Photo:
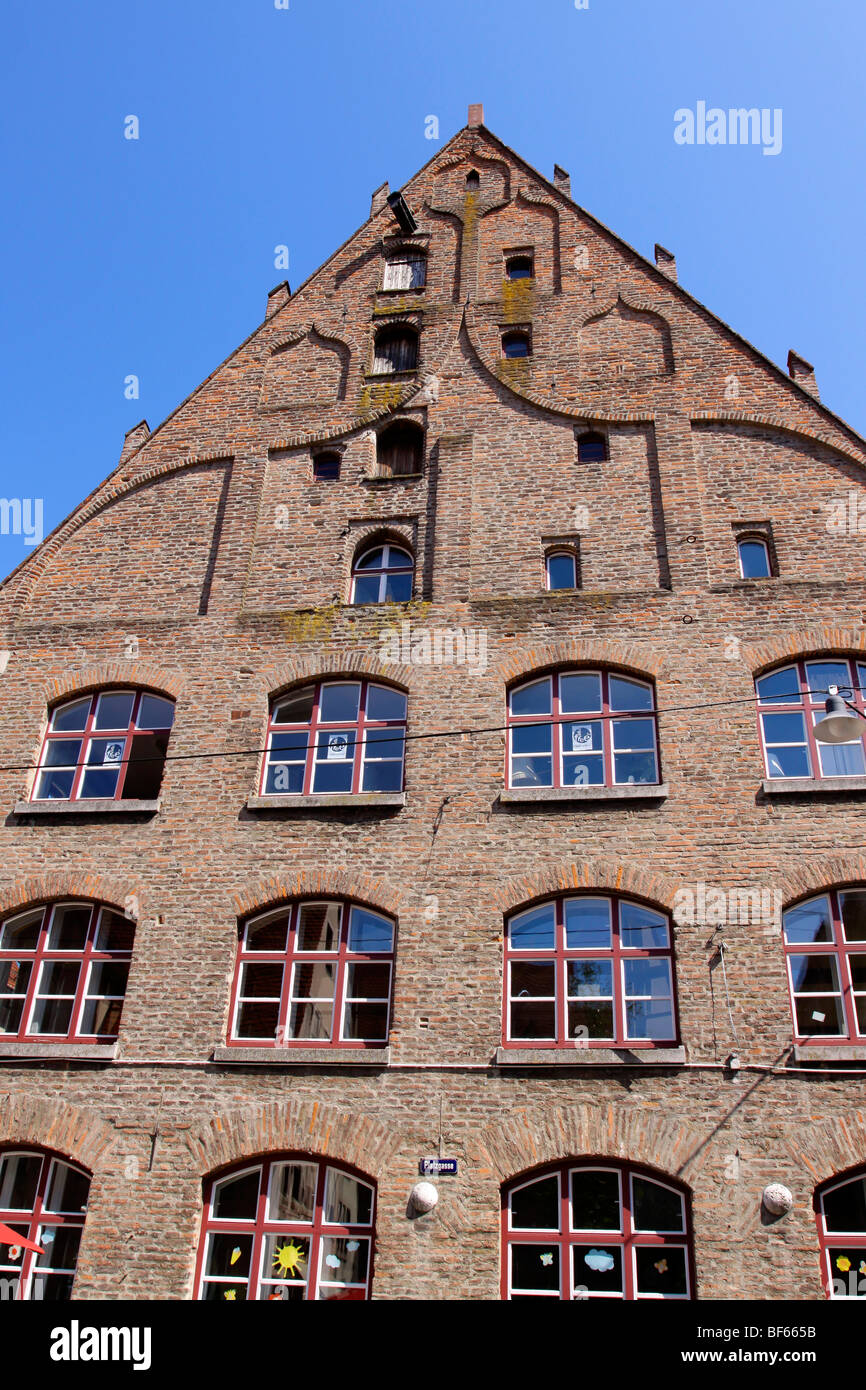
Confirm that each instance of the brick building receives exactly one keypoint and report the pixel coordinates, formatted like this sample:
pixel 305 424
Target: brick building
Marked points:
pixel 492 476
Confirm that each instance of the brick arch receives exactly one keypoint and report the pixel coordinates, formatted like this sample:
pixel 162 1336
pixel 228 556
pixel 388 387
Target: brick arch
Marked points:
pixel 65 883
pixel 602 874
pixel 138 673
pixel 819 641
pixel 338 883
pixel 808 878
pixel 625 1132
pixel 355 663
pixel 73 1133
pixel 282 1126
pixel 629 656
pixel 830 1149
pixel 399 532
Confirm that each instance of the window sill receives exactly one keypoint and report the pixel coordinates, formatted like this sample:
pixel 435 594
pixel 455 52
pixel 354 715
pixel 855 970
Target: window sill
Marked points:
pixel 374 478
pixel 589 1056
pixel 304 1056
pixel 93 806
pixel 657 791
pixel 820 786
pixel 829 1052
pixel 61 1051
pixel 391 376
pixel 356 800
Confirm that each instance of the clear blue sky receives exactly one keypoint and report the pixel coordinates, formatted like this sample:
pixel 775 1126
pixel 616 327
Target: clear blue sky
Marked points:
pixel 261 126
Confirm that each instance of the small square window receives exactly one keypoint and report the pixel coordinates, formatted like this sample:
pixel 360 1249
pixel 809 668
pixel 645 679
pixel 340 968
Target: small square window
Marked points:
pixel 326 467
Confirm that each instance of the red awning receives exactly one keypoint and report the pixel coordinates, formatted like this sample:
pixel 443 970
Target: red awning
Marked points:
pixel 10 1237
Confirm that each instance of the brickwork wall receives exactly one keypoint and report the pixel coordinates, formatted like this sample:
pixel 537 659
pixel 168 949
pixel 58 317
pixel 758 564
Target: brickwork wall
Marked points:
pixel 212 548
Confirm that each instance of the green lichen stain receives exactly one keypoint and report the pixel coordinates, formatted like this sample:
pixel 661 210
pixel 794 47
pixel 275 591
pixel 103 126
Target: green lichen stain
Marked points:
pixel 310 625
pixel 518 300
pixel 514 371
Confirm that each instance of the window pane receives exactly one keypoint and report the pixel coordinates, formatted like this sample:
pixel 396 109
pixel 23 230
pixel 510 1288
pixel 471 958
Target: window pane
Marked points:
pixel 598 1269
pixel 561 571
pixel 365 1022
pixel 809 922
pixel 258 1020
pixel 580 693
pixel 67 1190
pixel 587 923
pixel 108 978
pixel 114 711
pixel 533 1020
pixel 21 933
pixel 788 762
pixel 532 772
pixel 532 699
pixel 368 932
pixel 286 1262
pixel 236 1198
pixel 587 979
pixel 784 728
pixel 51 1016
pixel 344 1261
pixel 661 1270
pixel 641 928
pixel 261 981
pixel 68 930
pixel 590 1018
pixel 819 1015
pixel 398 588
pixel 780 687
pixel 347 1201
pixel 71 717
pixel 310 981
pixel 296 708
pixel 116 932
pixel 19 1177
pixel 339 703
pixel 62 752
pixel 656 1208
pixel 533 979
pixel 318 926
pixel 535 1207
pixel 650 1019
pixel 853 905
pixel 635 769
pixel 55 786
pixel 309 1020
pixel 269 934
pixel 595 1202
pixel 648 976
pixel 531 738
pixel 535 1267
pixel 842 759
pixel 145 767
pixel 385 703
pixel 813 974
pixel 155 713
pixel 754 560
pixel 845 1207
pixel 629 695
pixel 534 930
pixel 366 588
pixel 820 675
pixel 335 775
pixel 383 776
pixel 293 1192
pixel 633 734
pixel 370 980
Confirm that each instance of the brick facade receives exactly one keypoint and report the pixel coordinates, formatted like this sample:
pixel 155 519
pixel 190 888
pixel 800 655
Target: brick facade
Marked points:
pixel 212 568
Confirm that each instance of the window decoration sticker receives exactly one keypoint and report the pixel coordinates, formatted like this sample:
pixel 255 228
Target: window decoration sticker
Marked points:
pixel 231 1295
pixel 818 1017
pixel 581 737
pixel 599 1260
pixel 288 1259
pixel 547 1259
pixel 332 1262
pixel 338 746
pixel 661 1266
pixel 843 1263
pixel 113 753
pixel 235 1255
pixel 15 1252
pixel 353 1245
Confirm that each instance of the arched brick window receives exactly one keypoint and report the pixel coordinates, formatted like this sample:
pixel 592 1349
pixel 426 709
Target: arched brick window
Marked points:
pixel 840 1210
pixel 595 1228
pixel 313 973
pixel 753 554
pixel 582 728
pixel 111 744
pixel 589 971
pixel 791 700
pixel 825 945
pixel 383 574
pixel 517 343
pixel 43 1202
pixel 288 1227
pixel 63 973
pixel 338 736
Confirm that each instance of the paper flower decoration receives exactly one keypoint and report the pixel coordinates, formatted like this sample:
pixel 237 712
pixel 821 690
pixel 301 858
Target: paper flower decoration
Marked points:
pixel 288 1259
pixel 862 1269
pixel 661 1266
pixel 843 1263
pixel 332 1262
pixel 600 1260
pixel 231 1295
pixel 353 1245
pixel 547 1259
pixel 235 1255
pixel 15 1252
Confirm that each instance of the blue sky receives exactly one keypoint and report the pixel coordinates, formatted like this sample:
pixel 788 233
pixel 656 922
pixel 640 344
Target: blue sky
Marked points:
pixel 262 126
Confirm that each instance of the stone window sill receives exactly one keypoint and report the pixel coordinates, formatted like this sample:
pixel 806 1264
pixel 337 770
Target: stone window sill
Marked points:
pixel 589 1056
pixel 815 786
pixel 528 795
pixel 808 1052
pixel 62 1051
pixel 297 1056
pixel 357 801
pixel 93 806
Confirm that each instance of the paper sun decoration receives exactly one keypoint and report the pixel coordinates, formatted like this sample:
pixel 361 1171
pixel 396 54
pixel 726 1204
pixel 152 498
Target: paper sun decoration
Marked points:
pixel 599 1260
pixel 288 1258
pixel 231 1295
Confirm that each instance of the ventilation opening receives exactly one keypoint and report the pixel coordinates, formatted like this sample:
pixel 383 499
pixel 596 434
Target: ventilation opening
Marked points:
pixel 399 450
pixel 396 350
pixel 591 448
pixel 516 345
pixel 519 268
pixel 326 467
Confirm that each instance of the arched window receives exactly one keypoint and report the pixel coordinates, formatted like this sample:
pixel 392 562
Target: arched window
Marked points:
pixel 591 448
pixel 840 1210
pixel 473 180
pixel 396 350
pixel 825 943
pixel 791 701
pixel 336 736
pixel 383 575
pixel 326 467
pixel 287 1228
pixel 43 1202
pixel 399 450
pixel 589 972
pixel 560 568
pixel 582 728
pixel 63 972
pixel 111 744
pixel 754 556
pixel 593 1228
pixel 519 268
pixel 313 973
pixel 516 344
pixel 405 271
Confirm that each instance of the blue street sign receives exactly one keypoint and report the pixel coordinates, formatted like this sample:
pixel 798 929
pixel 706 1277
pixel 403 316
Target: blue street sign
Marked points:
pixel 427 1166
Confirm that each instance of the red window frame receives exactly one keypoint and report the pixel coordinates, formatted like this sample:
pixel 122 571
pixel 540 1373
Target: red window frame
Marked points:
pixel 841 950
pixel 341 958
pixel 561 954
pixel 358 727
pixel 33 1222
pixel 810 705
pixel 125 735
pixel 849 1247
pixel 317 1232
pixel 556 719
pixel 627 1239
pixel 38 957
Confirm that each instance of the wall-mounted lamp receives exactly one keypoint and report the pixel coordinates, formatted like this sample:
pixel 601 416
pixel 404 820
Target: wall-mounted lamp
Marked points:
pixel 839 725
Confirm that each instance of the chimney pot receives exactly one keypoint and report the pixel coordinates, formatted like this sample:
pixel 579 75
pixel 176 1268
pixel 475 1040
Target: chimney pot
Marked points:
pixel 133 439
pixel 379 199
pixel 277 297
